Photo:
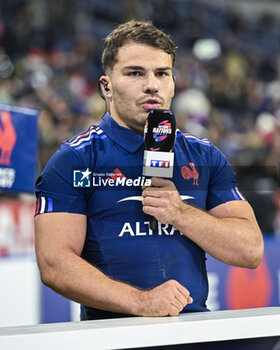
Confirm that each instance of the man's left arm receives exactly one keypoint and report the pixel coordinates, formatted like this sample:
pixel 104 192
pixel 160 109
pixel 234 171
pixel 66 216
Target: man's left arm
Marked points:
pixel 229 232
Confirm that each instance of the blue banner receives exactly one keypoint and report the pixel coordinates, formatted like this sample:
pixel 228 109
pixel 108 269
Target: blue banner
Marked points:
pixel 18 148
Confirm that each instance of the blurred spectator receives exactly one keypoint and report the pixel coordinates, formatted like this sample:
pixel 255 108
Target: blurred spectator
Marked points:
pixel 192 110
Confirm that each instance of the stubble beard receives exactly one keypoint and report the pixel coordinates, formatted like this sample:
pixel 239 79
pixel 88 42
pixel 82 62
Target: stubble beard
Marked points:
pixel 137 122
pixel 134 118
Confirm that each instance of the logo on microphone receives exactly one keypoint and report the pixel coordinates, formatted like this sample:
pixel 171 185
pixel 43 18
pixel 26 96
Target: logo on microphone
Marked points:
pixel 160 164
pixel 160 133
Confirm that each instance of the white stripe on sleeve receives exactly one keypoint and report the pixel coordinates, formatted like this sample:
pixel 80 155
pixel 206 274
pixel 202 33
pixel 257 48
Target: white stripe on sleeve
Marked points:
pixel 43 205
pixel 239 194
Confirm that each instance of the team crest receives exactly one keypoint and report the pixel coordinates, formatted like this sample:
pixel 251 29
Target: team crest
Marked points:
pixel 190 173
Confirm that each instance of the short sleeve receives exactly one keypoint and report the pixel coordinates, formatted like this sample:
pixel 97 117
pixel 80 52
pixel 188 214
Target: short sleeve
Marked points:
pixel 54 187
pixel 222 184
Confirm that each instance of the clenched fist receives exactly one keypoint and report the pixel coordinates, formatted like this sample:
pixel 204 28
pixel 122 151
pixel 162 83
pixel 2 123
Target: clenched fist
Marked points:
pixel 167 299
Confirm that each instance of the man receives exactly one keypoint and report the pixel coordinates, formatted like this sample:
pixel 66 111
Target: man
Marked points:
pixel 94 244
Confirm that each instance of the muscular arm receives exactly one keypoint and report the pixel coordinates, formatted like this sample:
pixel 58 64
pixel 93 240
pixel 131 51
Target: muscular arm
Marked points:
pixel 228 232
pixel 59 240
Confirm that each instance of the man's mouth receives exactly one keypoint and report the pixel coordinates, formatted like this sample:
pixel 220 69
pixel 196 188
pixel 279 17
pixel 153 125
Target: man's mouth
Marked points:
pixel 151 104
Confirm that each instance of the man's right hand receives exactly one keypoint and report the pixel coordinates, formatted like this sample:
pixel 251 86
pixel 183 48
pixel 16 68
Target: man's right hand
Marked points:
pixel 167 299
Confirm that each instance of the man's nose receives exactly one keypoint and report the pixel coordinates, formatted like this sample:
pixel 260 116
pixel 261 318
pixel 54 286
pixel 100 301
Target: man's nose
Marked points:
pixel 150 84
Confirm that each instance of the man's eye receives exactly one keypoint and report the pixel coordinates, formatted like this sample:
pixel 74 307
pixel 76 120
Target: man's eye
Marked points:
pixel 135 74
pixel 162 74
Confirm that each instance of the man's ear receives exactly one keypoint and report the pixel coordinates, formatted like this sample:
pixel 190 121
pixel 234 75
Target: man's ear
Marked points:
pixel 104 87
pixel 174 85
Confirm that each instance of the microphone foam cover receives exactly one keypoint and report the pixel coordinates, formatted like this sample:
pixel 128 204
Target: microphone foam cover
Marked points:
pixel 160 130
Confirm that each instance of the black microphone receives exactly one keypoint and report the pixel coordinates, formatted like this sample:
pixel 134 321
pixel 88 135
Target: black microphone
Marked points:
pixel 159 137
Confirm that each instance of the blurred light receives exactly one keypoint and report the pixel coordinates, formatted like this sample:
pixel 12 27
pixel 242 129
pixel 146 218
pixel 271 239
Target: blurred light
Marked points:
pixel 206 49
pixel 39 80
pixel 192 101
pixel 273 90
pixel 265 122
pixel 6 67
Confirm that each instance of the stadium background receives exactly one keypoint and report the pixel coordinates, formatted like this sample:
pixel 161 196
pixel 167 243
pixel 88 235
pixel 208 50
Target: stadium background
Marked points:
pixel 228 89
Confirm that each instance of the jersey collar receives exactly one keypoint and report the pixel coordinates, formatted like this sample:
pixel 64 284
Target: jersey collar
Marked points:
pixel 125 138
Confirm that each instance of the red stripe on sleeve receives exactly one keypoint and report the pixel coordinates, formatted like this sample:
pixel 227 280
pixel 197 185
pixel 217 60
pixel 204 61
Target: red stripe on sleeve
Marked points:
pixel 37 206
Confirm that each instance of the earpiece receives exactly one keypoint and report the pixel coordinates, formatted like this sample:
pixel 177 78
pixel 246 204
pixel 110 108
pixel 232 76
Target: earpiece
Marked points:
pixel 104 83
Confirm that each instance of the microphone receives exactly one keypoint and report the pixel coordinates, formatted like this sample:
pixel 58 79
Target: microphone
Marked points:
pixel 159 138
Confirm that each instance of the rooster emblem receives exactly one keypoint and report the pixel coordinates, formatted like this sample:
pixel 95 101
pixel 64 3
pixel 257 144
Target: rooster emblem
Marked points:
pixel 190 173
pixel 8 137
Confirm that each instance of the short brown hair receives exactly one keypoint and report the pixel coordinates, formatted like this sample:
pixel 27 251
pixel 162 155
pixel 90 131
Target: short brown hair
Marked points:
pixel 140 32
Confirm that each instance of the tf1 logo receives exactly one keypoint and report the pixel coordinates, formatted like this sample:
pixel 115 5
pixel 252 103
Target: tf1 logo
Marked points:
pixel 160 164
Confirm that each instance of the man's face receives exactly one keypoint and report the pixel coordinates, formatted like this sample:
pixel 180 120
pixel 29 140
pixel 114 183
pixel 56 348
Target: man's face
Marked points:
pixel 141 80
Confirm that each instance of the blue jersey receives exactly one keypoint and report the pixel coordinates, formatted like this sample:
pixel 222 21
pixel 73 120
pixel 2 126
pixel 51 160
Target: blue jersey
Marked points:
pixel 98 173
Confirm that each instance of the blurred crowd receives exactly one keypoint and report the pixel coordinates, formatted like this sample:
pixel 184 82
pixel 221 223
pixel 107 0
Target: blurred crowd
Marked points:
pixel 227 77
